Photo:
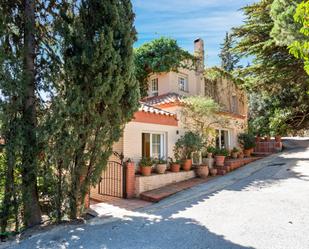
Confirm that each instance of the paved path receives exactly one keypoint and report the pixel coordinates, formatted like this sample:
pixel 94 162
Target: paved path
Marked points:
pixel 264 205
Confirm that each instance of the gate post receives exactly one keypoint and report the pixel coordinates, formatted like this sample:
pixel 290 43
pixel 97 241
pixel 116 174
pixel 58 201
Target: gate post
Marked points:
pixel 130 179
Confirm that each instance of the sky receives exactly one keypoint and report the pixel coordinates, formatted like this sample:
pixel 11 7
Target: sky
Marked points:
pixel 186 20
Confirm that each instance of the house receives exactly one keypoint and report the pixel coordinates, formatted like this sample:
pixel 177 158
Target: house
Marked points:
pixel 157 125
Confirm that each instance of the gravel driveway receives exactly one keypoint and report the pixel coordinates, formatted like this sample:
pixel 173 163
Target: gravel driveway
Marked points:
pixel 264 205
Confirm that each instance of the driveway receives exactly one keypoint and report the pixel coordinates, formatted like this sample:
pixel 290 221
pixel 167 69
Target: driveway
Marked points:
pixel 263 205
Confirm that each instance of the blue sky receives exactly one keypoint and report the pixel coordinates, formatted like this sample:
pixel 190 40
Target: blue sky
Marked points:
pixel 186 20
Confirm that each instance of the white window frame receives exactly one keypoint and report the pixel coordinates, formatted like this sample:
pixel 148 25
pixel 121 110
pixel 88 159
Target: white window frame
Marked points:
pixel 154 90
pixel 228 138
pixel 163 143
pixel 183 86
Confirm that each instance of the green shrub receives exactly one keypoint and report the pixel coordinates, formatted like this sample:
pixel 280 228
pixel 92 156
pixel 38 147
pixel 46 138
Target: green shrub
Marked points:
pixel 187 144
pixel 221 152
pixel 247 140
pixel 146 162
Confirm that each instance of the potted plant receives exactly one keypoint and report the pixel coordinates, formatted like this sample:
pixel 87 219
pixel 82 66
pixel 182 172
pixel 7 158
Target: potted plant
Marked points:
pixel 210 150
pixel 220 155
pixel 146 164
pixel 234 153
pixel 213 172
pixel 247 141
pixel 241 155
pixel 202 171
pixel 161 165
pixel 185 146
pixel 174 165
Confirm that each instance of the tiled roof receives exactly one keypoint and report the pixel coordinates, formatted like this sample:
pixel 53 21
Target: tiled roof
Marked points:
pixel 163 99
pixel 151 109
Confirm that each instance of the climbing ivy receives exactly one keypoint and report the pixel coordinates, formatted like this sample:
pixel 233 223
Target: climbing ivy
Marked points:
pixel 159 56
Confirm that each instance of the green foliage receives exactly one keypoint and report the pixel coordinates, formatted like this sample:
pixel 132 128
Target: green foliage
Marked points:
pixel 215 73
pixel 235 150
pixel 146 162
pixel 221 152
pixel 97 92
pixel 211 149
pixel 247 140
pixel 229 60
pixel 160 161
pixel 59 144
pixel 285 30
pixel 300 47
pixel 199 114
pixel 276 78
pixel 187 144
pixel 159 56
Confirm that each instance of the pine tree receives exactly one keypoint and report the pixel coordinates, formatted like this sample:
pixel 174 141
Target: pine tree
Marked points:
pixel 229 60
pixel 274 73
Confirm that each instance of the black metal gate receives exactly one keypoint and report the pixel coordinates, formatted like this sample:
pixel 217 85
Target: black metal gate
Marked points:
pixel 113 180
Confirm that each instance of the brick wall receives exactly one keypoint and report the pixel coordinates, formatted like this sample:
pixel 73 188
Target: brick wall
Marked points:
pixel 130 180
pixel 268 147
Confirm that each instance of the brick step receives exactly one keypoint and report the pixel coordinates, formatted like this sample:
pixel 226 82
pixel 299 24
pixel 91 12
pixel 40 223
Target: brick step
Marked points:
pixel 157 195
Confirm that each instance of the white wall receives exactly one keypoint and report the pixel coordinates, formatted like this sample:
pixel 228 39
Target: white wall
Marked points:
pixel 132 140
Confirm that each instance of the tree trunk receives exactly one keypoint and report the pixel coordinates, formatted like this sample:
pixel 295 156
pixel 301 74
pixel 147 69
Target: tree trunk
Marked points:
pixel 9 188
pixel 32 212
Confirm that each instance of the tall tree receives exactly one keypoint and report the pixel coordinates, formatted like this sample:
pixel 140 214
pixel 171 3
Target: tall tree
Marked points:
pixel 273 72
pixel 300 46
pixel 29 119
pixel 229 59
pixel 96 92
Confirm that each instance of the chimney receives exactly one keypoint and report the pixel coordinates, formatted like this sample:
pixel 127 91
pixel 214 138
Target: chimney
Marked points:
pixel 199 54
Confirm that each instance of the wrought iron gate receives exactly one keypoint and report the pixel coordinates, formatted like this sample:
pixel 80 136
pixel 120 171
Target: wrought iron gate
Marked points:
pixel 113 180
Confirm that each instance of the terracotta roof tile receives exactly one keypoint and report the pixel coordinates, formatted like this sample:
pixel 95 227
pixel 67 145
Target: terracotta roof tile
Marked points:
pixel 151 109
pixel 163 99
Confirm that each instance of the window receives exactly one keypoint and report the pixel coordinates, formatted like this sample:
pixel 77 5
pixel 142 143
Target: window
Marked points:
pixel 183 84
pixel 222 139
pixel 153 145
pixel 154 87
pixel 234 104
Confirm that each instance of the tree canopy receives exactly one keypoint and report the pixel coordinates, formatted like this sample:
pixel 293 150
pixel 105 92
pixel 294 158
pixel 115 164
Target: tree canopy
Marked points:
pixel 300 46
pixel 68 87
pixel 274 72
pixel 229 59
pixel 158 56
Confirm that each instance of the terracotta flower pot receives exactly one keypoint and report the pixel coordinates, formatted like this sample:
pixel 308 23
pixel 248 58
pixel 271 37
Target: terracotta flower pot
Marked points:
pixel 209 161
pixel 202 171
pixel 187 164
pixel 219 160
pixel 161 168
pixel 213 172
pixel 234 155
pixel 278 138
pixel 146 171
pixel 175 167
pixel 241 155
pixel 247 153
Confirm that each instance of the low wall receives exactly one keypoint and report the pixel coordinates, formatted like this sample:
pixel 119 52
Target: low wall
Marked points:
pixel 146 183
pixel 268 147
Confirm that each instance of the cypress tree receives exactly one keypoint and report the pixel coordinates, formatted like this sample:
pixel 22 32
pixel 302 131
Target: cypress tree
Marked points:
pixel 229 60
pixel 96 92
